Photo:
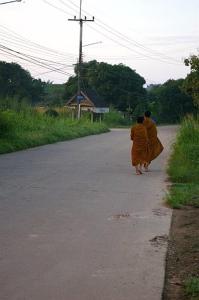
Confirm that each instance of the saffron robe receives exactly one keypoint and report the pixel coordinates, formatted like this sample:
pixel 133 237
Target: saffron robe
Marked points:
pixel 154 146
pixel 140 144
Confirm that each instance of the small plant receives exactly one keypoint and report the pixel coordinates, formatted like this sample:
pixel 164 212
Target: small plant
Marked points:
pixel 192 287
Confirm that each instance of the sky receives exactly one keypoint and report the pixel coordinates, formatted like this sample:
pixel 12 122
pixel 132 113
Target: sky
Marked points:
pixel 150 36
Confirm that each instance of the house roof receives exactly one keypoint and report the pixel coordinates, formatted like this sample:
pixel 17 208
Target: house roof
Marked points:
pixel 91 99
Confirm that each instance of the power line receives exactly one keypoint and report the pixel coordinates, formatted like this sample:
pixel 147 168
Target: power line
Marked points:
pixel 56 7
pixel 21 45
pixel 131 49
pixel 28 58
pixel 49 72
pixel 21 42
pixel 125 38
pixel 118 36
pixel 7 2
pixel 44 59
pixel 134 43
pixel 45 49
pixel 153 55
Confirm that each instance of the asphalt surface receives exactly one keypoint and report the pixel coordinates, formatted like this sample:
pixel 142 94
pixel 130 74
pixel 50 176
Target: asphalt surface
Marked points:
pixel 76 223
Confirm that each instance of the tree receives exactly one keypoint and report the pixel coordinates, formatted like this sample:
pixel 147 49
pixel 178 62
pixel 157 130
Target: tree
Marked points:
pixel 169 102
pixel 54 94
pixel 15 82
pixel 118 85
pixel 191 84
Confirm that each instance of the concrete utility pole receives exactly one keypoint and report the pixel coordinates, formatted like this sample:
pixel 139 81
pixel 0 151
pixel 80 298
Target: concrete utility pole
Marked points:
pixel 81 21
pixel 10 2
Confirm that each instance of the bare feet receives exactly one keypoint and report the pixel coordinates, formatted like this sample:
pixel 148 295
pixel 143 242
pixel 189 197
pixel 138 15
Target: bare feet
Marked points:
pixel 138 172
pixel 146 167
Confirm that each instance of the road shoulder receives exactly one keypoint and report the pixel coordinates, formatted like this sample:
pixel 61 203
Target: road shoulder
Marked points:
pixel 183 253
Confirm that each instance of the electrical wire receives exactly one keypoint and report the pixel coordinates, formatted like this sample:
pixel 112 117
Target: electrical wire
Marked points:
pixel 28 58
pixel 116 33
pixel 13 35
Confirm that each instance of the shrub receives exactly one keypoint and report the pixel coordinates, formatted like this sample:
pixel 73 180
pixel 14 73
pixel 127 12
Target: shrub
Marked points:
pixel 52 113
pixel 7 123
pixel 115 118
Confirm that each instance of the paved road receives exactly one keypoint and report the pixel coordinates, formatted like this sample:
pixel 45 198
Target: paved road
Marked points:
pixel 77 224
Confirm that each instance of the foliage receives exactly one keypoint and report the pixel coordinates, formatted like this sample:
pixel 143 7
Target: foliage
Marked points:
pixel 118 85
pixel 13 103
pixel 184 165
pixel 191 84
pixel 186 150
pixel 52 113
pixel 192 287
pixel 7 124
pixel 169 102
pixel 116 119
pixel 15 82
pixel 30 129
pixel 54 94
pixel 183 194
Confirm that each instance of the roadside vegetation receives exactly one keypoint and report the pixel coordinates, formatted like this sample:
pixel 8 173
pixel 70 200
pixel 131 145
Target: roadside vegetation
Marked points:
pixel 27 128
pixel 184 166
pixel 182 275
pixel 117 119
pixel 33 112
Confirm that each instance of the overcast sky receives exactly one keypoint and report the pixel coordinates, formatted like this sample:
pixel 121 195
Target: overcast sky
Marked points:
pixel 150 36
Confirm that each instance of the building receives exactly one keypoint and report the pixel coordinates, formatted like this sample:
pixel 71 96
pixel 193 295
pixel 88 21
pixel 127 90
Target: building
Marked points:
pixel 89 101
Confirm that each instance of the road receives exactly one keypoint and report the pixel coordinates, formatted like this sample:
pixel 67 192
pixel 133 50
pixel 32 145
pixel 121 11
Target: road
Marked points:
pixel 76 223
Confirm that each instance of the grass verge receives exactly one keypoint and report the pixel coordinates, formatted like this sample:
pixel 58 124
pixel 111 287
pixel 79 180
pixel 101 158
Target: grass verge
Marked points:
pixel 183 194
pixel 25 129
pixel 184 166
pixel 184 173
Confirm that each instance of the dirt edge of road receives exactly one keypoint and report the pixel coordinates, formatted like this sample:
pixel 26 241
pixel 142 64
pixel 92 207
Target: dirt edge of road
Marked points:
pixel 183 253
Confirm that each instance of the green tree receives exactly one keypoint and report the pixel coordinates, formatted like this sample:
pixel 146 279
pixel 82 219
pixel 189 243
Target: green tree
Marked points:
pixel 191 83
pixel 169 102
pixel 15 82
pixel 118 85
pixel 54 94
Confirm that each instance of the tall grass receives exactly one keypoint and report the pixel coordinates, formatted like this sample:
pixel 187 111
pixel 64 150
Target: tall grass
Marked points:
pixel 184 165
pixel 28 128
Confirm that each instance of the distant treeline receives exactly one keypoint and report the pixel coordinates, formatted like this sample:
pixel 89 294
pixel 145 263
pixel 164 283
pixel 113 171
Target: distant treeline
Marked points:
pixel 118 85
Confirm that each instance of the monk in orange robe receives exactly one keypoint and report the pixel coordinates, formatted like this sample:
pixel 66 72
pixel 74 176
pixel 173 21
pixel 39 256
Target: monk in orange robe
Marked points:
pixel 140 144
pixel 154 146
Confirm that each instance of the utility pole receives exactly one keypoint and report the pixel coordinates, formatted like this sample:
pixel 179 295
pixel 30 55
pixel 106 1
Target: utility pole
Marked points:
pixel 81 21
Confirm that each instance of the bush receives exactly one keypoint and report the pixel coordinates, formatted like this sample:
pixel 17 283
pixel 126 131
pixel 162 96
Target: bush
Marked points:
pixel 14 104
pixel 52 113
pixel 7 123
pixel 116 119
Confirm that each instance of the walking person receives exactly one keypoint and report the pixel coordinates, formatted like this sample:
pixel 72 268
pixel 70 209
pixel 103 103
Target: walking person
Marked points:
pixel 139 147
pixel 155 147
